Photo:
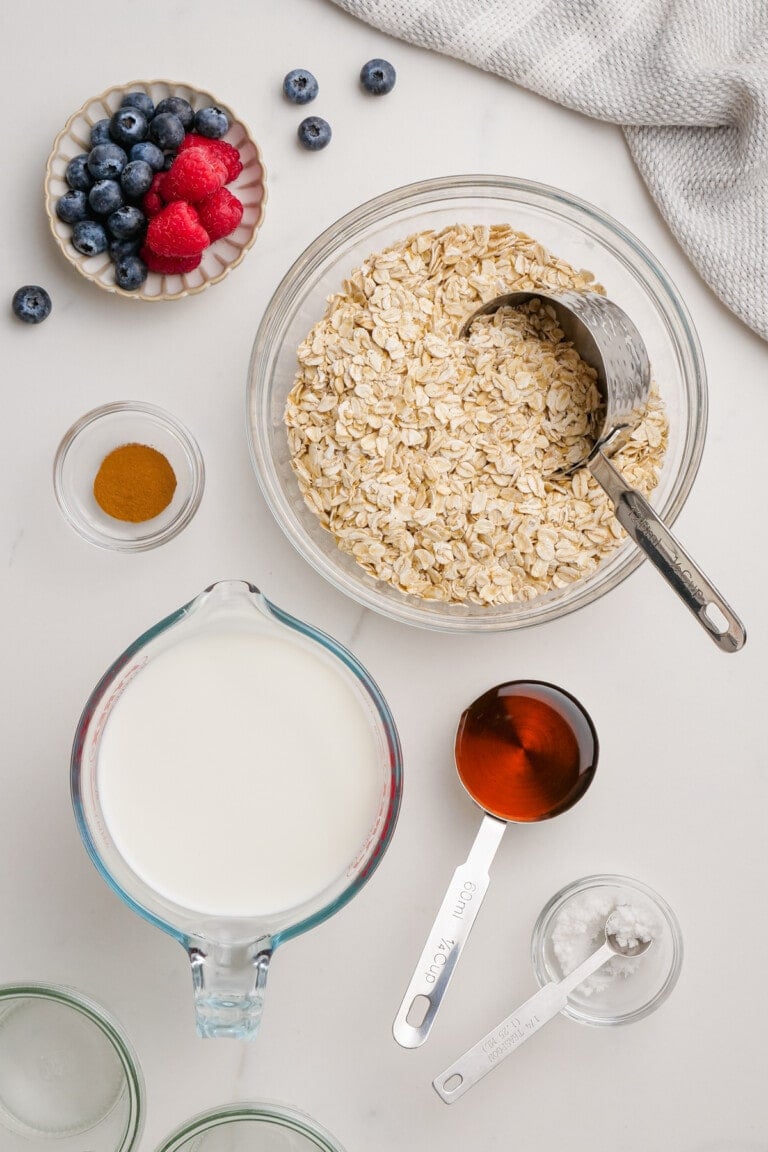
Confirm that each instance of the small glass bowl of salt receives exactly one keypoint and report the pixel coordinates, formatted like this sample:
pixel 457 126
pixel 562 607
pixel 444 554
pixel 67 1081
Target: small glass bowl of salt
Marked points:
pixel 571 926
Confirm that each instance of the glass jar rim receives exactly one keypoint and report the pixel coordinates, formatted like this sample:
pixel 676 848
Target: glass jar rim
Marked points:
pixel 85 1006
pixel 281 1114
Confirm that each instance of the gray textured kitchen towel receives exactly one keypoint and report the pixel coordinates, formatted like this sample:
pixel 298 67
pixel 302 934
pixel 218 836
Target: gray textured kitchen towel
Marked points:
pixel 687 80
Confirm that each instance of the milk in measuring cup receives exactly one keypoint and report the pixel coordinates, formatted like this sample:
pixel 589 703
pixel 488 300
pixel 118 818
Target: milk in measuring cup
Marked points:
pixel 239 774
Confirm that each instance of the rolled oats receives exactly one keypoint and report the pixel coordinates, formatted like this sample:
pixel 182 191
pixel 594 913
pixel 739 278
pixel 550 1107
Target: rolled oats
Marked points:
pixel 432 458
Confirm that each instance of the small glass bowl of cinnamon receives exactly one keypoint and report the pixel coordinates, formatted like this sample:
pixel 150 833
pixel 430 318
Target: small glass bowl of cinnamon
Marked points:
pixel 128 476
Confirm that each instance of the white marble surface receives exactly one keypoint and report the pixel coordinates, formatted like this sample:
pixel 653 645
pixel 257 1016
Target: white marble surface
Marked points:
pixel 680 801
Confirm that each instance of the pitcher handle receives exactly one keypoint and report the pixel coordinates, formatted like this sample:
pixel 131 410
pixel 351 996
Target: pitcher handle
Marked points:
pixel 229 983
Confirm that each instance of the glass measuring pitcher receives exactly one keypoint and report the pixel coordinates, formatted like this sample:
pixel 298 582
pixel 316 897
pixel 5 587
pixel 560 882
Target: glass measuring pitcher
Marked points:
pixel 236 778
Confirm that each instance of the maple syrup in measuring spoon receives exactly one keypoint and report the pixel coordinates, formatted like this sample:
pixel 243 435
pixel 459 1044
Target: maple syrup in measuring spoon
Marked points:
pixel 525 751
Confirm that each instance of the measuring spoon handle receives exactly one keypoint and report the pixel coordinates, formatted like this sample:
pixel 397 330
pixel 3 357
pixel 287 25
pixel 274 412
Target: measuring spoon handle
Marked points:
pixel 680 571
pixel 513 1032
pixel 447 938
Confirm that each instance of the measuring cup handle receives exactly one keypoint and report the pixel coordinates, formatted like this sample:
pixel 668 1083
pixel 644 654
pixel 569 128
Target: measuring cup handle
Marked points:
pixel 508 1036
pixel 680 571
pixel 229 983
pixel 478 1061
pixel 446 941
pixel 445 944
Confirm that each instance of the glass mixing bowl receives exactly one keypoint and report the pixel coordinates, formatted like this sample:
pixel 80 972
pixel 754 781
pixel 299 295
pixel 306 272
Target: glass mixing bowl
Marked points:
pixel 573 230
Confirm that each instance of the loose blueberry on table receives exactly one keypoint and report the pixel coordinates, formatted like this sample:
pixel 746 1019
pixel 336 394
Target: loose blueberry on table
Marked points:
pixel 151 190
pixel 314 133
pixel 378 77
pixel 32 304
pixel 300 86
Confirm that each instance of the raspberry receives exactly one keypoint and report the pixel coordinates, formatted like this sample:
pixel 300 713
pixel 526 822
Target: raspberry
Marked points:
pixel 193 175
pixel 177 231
pixel 220 213
pixel 153 201
pixel 227 153
pixel 169 265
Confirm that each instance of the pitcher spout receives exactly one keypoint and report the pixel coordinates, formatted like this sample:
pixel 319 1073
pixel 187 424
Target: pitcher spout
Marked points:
pixel 229 983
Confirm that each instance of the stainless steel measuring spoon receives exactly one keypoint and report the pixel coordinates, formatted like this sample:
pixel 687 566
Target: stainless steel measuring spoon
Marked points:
pixel 605 337
pixel 525 751
pixel 526 1020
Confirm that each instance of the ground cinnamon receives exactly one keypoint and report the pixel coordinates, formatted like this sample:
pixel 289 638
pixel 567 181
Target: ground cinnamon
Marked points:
pixel 134 482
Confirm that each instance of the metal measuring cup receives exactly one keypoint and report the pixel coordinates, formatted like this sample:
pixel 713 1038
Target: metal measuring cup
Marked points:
pixel 605 337
pixel 543 727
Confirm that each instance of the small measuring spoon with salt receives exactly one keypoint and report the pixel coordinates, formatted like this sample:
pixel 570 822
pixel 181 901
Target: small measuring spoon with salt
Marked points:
pixel 526 1020
pixel 605 337
pixel 525 751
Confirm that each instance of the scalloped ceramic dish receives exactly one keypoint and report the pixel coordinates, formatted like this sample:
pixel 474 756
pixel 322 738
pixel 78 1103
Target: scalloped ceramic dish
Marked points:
pixel 222 256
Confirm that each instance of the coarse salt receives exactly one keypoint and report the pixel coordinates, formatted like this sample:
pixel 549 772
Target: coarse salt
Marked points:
pixel 579 930
pixel 473 430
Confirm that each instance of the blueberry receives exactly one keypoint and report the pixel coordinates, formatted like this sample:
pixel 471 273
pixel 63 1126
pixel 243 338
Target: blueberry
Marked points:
pixel 72 206
pixel 89 237
pixel 106 161
pixel 77 174
pixel 314 133
pixel 106 196
pixel 141 101
pixel 130 273
pixel 136 178
pixel 378 77
pixel 100 133
pixel 32 304
pixel 166 130
pixel 119 249
pixel 149 153
pixel 300 86
pixel 211 122
pixel 128 126
pixel 126 223
pixel 168 159
pixel 178 107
